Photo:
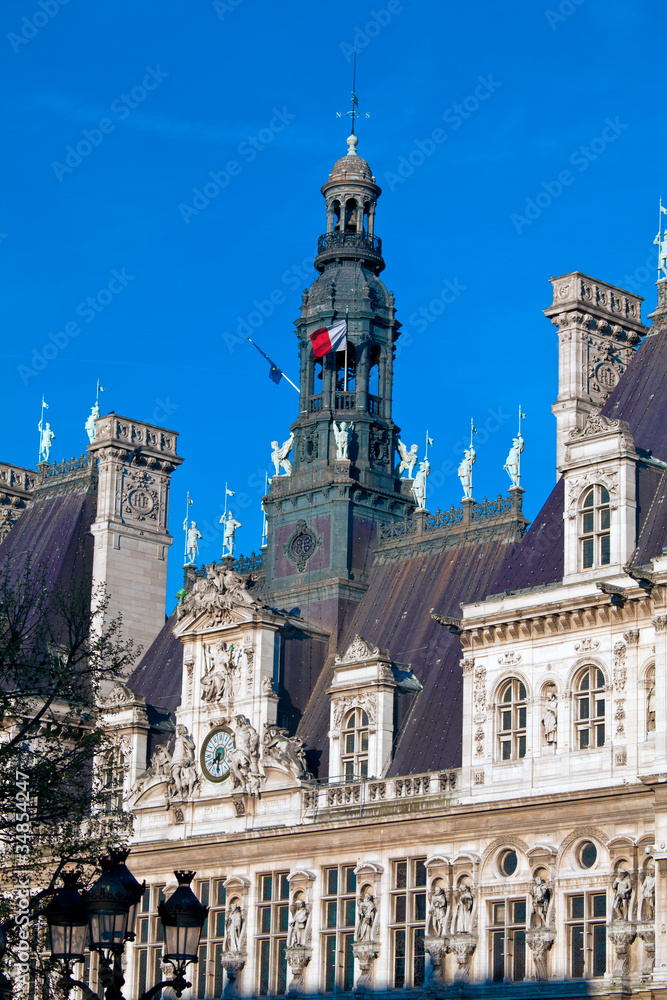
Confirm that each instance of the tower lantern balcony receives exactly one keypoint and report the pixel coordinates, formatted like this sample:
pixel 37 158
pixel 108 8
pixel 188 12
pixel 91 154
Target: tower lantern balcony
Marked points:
pixel 359 246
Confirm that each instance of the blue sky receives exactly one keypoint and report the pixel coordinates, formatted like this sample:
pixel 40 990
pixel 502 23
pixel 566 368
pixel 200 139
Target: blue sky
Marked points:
pixel 114 264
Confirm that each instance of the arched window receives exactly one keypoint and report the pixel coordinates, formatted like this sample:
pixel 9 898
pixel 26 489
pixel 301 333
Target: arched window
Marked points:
pixel 317 376
pixel 336 213
pixel 589 696
pixel 349 385
pixel 113 777
pixel 512 720
pixel 374 371
pixel 650 700
pixel 355 745
pixel 350 216
pixel 594 524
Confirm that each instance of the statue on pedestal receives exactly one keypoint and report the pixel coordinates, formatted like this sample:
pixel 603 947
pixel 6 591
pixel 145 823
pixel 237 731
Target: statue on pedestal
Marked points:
pixel 342 434
pixel 193 534
pixel 419 484
pixel 408 458
pixel 46 436
pixel 541 897
pixel 465 471
pixel 91 422
pixel 622 886
pixel 279 456
pixel 513 464
pixel 233 939
pixel 230 528
pixel 298 925
pixel 550 718
pixel 366 914
pixel 437 915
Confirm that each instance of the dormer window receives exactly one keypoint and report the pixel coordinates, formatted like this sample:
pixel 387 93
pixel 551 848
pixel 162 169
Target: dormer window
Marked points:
pixel 355 745
pixel 594 528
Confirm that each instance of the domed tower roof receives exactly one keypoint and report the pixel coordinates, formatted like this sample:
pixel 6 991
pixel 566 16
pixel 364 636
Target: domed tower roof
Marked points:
pixel 351 167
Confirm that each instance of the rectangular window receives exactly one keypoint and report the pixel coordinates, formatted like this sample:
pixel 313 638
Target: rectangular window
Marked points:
pixel 408 909
pixel 587 935
pixel 338 919
pixel 508 941
pixel 273 920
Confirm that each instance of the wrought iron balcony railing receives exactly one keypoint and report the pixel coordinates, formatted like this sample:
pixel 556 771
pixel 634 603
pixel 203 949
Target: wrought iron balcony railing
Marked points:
pixel 350 241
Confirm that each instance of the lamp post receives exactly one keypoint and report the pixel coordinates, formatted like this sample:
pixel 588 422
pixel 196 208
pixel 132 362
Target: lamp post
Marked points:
pixel 107 912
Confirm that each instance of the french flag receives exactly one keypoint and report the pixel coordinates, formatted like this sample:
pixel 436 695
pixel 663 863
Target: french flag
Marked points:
pixel 329 338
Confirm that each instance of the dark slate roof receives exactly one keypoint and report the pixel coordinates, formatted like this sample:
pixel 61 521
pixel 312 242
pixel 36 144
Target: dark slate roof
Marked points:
pixel 395 613
pixel 54 535
pixel 159 673
pixel 653 533
pixel 640 396
pixel 538 560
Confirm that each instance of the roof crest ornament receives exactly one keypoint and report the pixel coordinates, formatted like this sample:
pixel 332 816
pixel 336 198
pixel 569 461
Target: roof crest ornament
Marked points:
pixel 354 113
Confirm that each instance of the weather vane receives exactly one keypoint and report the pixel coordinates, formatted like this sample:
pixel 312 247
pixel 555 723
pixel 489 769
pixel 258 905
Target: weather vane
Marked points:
pixel 354 113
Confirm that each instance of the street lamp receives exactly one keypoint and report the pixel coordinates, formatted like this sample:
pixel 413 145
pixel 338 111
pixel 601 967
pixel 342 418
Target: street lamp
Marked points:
pixel 129 882
pixel 105 910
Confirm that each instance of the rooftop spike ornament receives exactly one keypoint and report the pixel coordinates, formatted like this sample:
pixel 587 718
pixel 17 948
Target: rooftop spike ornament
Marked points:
pixel 661 242
pixel 354 112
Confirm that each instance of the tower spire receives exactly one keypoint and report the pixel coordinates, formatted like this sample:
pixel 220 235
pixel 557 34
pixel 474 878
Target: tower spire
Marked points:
pixel 354 112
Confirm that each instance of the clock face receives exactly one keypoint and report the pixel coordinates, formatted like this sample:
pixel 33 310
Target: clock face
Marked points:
pixel 215 754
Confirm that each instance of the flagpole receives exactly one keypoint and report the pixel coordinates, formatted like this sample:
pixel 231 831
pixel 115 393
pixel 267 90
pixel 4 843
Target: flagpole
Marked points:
pixel 188 503
pixel 472 431
pixel 426 448
pixel 225 514
pixel 347 310
pixel 264 524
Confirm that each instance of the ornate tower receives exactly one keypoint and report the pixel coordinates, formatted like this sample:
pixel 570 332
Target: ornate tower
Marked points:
pixel 323 517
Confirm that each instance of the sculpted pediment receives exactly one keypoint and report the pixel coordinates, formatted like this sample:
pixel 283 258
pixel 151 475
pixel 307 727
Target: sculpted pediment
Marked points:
pixel 360 649
pixel 221 594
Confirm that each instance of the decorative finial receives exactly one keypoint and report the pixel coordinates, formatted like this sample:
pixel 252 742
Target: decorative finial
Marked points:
pixel 354 113
pixel 352 144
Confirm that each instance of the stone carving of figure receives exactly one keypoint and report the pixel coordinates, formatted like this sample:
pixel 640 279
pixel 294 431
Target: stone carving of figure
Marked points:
pixel 216 683
pixel 284 749
pixel 342 434
pixel 183 769
pixel 298 924
pixel 279 456
pixel 465 471
pixel 419 484
pixel 236 590
pixel 437 913
pixel 647 911
pixel 513 464
pixel 622 886
pixel 233 929
pixel 550 718
pixel 160 761
pixel 244 758
pixel 193 536
pixel 228 537
pixel 366 913
pixel 91 423
pixel 462 921
pixel 541 894
pixel 662 259
pixel 650 707
pixel 408 458
pixel 46 436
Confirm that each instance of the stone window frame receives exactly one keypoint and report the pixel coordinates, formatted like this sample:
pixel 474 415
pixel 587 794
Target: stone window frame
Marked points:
pixel 515 733
pixel 355 756
pixel 594 942
pixel 345 900
pixel 277 903
pixel 591 723
pixel 513 933
pixel 404 919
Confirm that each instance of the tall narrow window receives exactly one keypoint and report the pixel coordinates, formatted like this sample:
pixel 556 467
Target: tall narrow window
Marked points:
pixel 590 708
pixel 512 720
pixel 650 700
pixel 355 745
pixel 408 918
pixel 594 525
pixel 508 940
pixel 272 923
pixel 113 777
pixel 338 918
pixel 587 935
pixel 149 938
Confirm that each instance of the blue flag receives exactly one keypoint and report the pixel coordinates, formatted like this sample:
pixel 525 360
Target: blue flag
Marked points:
pixel 275 373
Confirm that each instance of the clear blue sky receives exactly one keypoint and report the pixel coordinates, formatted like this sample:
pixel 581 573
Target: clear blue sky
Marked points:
pixel 170 92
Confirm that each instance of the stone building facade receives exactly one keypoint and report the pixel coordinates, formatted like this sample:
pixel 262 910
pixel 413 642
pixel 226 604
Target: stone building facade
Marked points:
pixel 405 750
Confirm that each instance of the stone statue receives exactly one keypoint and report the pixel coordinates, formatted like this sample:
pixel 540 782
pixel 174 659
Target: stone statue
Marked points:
pixel 513 464
pixel 230 528
pixel 184 778
pixel 662 244
pixel 234 925
pixel 462 920
pixel 622 886
pixel 408 458
pixel 244 758
pixel 285 750
pixel 193 535
pixel 216 684
pixel 366 913
pixel 541 896
pixel 46 436
pixel 91 423
pixel 647 911
pixel 650 707
pixel 465 471
pixel 550 718
pixel 160 761
pixel 437 914
pixel 267 686
pixel 342 434
pixel 419 484
pixel 279 456
pixel 298 924
pixel 217 593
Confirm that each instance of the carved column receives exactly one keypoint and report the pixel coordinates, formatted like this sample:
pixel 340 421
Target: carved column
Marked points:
pixel 540 941
pixel 621 934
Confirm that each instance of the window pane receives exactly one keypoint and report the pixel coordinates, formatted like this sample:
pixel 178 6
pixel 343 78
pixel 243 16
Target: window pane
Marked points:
pixel 499 913
pixel 577 939
pixel 281 984
pixel 363 768
pixel 506 721
pixel 522 746
pixel 349 769
pixel 266 887
pixel 220 924
pixel 599 732
pixel 583 739
pixel 506 748
pixel 507 696
pixel 399 959
pixel 332 881
pixel 201 972
pixel 577 907
pixel 401 874
pixel 332 914
pixel 222 894
pixel 146 901
pixel 329 963
pixel 420 873
pixel 588 499
pixel 519 916
pixel 522 718
pixel 600 905
pixel 585 682
pixel 143 931
pixel 141 975
pixel 218 978
pixel 584 708
pixel 364 718
pixel 284 886
pixel 599 950
pixel 349 743
pixel 418 957
pixel 587 524
pixel 420 906
pixel 605 550
pixel 399 909
pixel 587 552
pixel 522 691
pixel 283 918
pixel 364 741
pixel 498 956
pixel 604 495
pixel 348 968
pixel 599 678
pixel 519 956
pixel 350 880
pixel 599 708
pixel 604 517
pixel 265 920
pixel 350 912
pixel 264 953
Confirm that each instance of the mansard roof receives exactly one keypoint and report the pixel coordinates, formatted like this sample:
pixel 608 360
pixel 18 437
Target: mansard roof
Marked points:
pixel 395 613
pixel 158 675
pixel 652 536
pixel 538 560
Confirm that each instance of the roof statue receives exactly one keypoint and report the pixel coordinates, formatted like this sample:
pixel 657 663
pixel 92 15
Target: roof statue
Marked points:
pixel 342 434
pixel 217 593
pixel 408 458
pixel 230 526
pixel 513 464
pixel 192 536
pixel 464 471
pixel 46 435
pixel 279 456
pixel 419 484
pixel 661 242
pixel 91 422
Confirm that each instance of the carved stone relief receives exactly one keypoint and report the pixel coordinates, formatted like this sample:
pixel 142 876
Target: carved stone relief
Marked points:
pixel 577 484
pixel 302 544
